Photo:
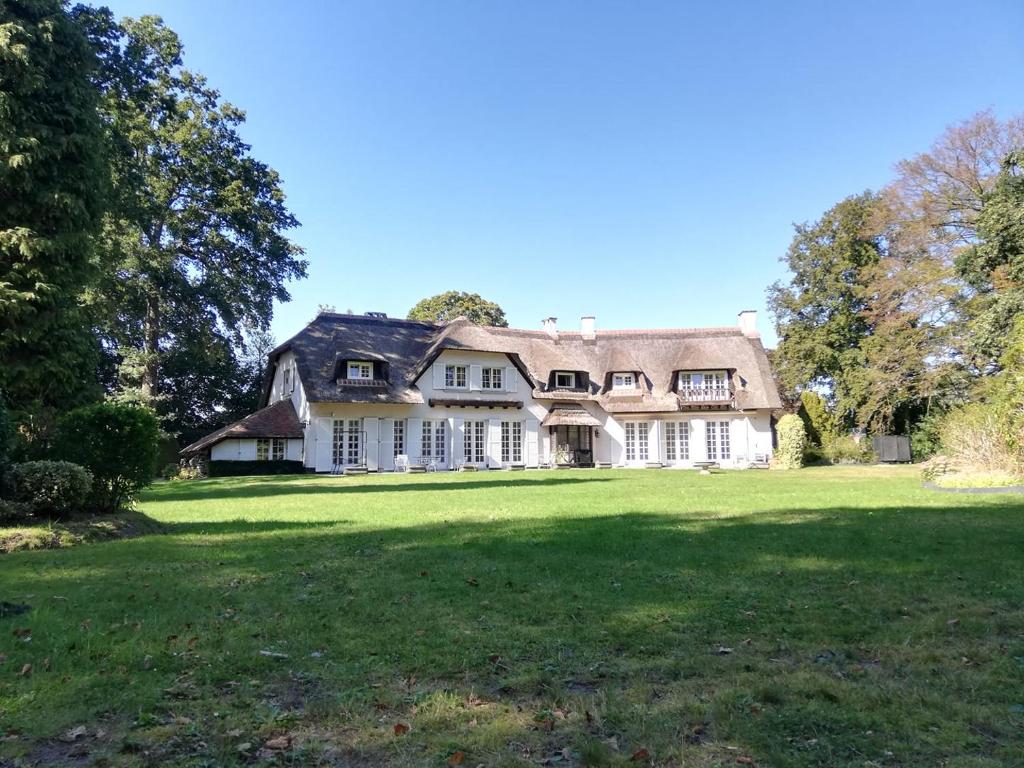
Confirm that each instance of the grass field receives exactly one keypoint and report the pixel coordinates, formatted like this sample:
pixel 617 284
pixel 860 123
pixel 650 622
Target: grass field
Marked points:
pixel 826 617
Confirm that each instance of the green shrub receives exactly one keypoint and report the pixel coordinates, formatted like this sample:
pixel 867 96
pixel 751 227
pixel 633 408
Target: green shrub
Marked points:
pixel 819 423
pixel 846 450
pixel 170 471
pixel 117 443
pixel 234 468
pixel 5 448
pixel 924 439
pixel 14 512
pixel 814 455
pixel 975 438
pixel 51 488
pixel 792 441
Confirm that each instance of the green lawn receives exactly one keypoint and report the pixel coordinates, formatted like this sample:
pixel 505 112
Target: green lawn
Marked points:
pixel 826 617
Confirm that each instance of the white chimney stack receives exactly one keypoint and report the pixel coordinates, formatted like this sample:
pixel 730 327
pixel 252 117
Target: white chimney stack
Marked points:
pixel 748 322
pixel 550 326
pixel 587 327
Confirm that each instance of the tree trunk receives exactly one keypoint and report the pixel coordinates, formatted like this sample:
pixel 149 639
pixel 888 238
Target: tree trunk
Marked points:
pixel 151 345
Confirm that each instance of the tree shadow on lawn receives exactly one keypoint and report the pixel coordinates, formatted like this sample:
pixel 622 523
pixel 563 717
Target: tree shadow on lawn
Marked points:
pixel 256 487
pixel 835 626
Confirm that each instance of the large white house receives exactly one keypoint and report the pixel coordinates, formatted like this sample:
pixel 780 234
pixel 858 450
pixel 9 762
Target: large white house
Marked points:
pixel 363 390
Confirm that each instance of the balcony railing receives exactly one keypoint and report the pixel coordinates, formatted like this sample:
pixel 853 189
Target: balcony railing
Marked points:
pixel 705 394
pixel 362 382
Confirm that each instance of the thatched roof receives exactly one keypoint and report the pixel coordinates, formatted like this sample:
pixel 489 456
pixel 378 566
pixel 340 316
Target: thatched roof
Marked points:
pixel 409 348
pixel 277 420
pixel 570 415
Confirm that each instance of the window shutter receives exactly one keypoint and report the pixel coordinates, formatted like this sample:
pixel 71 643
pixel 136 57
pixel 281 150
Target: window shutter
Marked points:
pixel 371 429
pixel 458 443
pixel 438 375
pixel 323 445
pixel 476 375
pixel 414 439
pixel 511 379
pixel 387 444
pixel 494 443
pixel 530 440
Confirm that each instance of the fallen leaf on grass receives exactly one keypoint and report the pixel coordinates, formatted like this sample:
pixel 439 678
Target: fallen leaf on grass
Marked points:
pixel 953 622
pixel 640 754
pixel 723 651
pixel 401 729
pixel 274 655
pixel 473 582
pixel 245 746
pixel 26 671
pixel 456 758
pixel 743 760
pixel 278 743
pixel 22 633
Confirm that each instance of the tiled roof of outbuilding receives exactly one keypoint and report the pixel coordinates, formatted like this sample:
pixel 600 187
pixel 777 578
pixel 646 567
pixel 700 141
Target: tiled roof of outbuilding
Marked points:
pixel 277 420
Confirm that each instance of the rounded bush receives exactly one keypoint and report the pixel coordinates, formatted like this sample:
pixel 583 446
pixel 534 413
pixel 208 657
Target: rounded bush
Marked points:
pixel 53 488
pixel 117 443
pixel 792 441
pixel 14 512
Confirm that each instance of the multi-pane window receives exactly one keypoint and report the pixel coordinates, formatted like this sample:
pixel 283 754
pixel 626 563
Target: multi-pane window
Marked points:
pixel 432 443
pixel 455 376
pixel 493 378
pixel 565 379
pixel 474 442
pixel 286 380
pixel 724 450
pixel 643 430
pixel 511 442
pixel 623 381
pixel 711 440
pixel 270 448
pixel 347 444
pixel 677 441
pixel 709 385
pixel 360 370
pixel 630 441
pixel 399 437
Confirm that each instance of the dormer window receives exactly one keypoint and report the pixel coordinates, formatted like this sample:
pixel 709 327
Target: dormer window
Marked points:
pixel 703 385
pixel 565 380
pixel 286 380
pixel 624 380
pixel 360 369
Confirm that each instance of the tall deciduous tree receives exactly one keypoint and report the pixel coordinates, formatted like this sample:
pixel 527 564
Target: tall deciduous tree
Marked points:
pixel 452 304
pixel 196 243
pixel 51 196
pixel 820 313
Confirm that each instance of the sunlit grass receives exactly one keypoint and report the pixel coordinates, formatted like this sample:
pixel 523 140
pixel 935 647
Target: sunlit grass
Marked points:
pixel 841 616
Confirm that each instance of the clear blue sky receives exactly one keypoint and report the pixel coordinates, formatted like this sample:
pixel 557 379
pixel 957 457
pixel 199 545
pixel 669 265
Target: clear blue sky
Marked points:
pixel 640 161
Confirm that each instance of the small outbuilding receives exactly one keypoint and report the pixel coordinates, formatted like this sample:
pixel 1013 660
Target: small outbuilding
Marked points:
pixel 270 434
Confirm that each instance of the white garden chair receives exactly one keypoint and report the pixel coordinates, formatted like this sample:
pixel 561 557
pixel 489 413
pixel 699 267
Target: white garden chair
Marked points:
pixel 401 463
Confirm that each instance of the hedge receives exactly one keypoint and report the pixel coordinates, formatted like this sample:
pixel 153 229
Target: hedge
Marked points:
pixel 272 467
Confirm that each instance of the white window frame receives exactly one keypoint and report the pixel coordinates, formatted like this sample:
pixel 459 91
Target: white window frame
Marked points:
pixel 398 435
pixel 511 442
pixel 360 369
pixel 262 448
pixel 277 449
pixel 713 385
pixel 433 445
pixel 286 379
pixel 346 441
pixel 570 377
pixel 711 440
pixel 677 441
pixel 475 441
pixel 492 378
pixel 724 440
pixel 454 373
pixel 624 380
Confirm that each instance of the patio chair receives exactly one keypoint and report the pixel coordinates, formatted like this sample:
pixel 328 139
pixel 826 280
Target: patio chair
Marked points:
pixel 401 463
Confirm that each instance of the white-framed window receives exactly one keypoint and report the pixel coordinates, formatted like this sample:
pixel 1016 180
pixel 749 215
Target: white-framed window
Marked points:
pixel 565 379
pixel 704 385
pixel 624 380
pixel 270 448
pixel 493 378
pixel 718 440
pixel 511 442
pixel 359 369
pixel 286 379
pixel 399 436
pixel 677 441
pixel 455 376
pixel 474 441
pixel 347 445
pixel 637 440
pixel 432 441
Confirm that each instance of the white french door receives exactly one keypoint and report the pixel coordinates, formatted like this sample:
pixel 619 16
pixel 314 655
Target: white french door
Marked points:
pixel 677 442
pixel 638 435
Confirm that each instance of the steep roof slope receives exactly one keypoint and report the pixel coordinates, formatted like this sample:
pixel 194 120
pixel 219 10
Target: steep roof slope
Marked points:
pixel 410 347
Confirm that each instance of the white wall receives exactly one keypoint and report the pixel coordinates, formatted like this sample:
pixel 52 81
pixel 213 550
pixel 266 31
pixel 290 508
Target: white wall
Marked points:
pixel 244 449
